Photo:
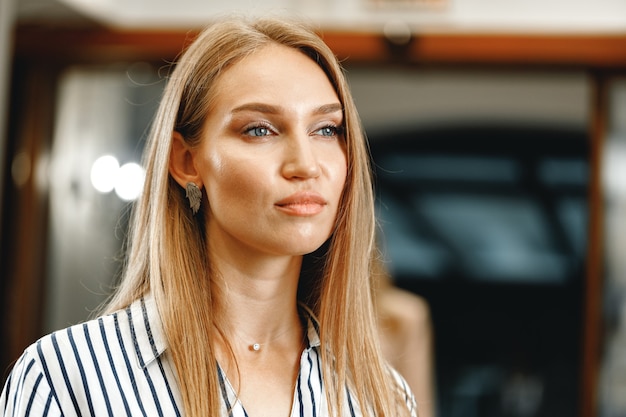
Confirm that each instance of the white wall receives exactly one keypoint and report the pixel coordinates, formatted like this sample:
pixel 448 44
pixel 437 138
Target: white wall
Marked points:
pixel 447 15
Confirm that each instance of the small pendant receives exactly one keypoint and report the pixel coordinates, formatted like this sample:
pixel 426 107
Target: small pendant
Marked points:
pixel 256 347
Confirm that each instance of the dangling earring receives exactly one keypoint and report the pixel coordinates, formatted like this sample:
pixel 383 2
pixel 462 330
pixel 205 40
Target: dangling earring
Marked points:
pixel 194 195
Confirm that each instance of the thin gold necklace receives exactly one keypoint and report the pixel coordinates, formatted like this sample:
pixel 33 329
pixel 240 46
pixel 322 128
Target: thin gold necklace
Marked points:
pixel 256 346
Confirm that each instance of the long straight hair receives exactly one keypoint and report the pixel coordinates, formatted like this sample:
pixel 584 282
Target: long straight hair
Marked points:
pixel 167 251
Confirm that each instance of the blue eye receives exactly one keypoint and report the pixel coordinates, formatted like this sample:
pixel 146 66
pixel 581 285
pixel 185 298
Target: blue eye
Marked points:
pixel 258 131
pixel 329 131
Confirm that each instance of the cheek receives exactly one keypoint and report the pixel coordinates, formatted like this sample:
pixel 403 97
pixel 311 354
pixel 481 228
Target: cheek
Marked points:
pixel 340 174
pixel 337 175
pixel 229 179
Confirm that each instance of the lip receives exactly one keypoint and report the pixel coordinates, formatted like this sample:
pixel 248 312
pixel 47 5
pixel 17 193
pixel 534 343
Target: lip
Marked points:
pixel 304 203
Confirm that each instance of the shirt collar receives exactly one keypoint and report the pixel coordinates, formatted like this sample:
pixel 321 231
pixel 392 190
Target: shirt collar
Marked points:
pixel 147 330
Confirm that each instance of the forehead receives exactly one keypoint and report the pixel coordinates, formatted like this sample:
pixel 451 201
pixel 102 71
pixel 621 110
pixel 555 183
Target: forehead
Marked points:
pixel 274 74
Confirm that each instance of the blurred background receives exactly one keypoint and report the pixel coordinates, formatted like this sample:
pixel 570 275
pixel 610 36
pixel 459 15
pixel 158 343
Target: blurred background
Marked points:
pixel 498 134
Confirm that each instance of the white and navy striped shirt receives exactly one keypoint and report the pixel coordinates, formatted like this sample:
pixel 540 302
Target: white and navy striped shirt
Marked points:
pixel 115 366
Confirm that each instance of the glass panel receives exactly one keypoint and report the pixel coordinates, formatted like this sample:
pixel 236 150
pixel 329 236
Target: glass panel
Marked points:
pixel 100 112
pixel 482 185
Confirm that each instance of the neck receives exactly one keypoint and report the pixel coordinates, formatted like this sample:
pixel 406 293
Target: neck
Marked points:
pixel 257 299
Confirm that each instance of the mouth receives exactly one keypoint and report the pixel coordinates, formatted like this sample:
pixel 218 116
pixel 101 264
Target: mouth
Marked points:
pixel 302 204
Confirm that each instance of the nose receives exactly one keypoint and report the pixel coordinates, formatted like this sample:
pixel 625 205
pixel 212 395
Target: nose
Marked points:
pixel 301 160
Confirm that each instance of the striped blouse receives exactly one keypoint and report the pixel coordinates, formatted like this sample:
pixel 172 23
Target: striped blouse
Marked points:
pixel 114 366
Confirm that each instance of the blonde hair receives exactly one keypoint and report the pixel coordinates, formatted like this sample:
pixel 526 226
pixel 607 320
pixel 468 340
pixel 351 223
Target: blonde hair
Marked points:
pixel 167 249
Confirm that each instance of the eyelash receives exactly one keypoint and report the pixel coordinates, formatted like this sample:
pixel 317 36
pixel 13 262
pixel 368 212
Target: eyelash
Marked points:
pixel 248 130
pixel 336 130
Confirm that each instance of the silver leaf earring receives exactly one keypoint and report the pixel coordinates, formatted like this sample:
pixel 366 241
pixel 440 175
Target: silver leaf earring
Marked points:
pixel 194 195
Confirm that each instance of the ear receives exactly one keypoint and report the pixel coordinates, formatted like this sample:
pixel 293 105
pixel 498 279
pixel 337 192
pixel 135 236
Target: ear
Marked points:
pixel 182 166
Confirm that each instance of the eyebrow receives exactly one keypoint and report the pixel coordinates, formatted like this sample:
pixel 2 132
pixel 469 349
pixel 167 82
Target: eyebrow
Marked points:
pixel 272 109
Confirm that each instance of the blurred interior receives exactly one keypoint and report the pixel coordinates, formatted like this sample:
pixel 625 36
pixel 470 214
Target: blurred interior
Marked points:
pixel 498 138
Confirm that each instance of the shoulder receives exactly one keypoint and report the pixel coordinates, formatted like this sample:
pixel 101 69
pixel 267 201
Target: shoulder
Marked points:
pixel 50 370
pixel 66 350
pixel 61 357
pixel 409 309
pixel 27 390
pixel 96 361
pixel 133 333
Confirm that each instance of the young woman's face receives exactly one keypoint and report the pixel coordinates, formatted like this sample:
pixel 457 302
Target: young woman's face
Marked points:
pixel 273 159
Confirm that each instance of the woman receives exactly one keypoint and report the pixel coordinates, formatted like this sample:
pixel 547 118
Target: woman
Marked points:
pixel 246 287
pixel 407 339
